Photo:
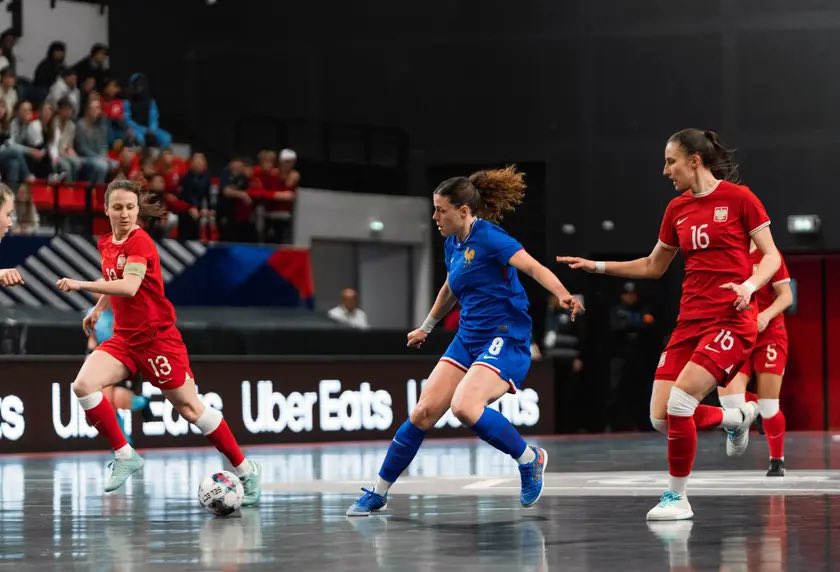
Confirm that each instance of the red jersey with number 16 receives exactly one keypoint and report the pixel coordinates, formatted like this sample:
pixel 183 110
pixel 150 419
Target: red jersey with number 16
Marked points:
pixel 139 317
pixel 713 232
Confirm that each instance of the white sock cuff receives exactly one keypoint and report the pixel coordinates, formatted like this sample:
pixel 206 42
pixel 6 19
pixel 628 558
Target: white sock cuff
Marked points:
pixel 209 421
pixel 733 400
pixel 88 402
pixel 681 404
pixel 768 408
pixel 660 425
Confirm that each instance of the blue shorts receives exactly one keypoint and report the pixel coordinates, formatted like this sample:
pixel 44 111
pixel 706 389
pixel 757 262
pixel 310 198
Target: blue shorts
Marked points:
pixel 508 357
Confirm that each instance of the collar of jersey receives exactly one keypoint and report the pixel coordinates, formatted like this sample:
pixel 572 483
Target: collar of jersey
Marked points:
pixel 707 193
pixel 458 243
pixel 123 241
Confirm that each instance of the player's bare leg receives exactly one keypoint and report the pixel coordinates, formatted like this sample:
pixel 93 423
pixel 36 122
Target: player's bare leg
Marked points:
pixel 212 425
pixel 102 370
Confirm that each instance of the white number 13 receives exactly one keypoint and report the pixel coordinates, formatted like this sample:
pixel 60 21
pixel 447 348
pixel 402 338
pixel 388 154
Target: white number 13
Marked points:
pixel 160 365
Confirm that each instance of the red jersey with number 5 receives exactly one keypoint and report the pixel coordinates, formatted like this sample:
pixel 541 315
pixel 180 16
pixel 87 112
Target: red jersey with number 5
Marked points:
pixel 766 295
pixel 140 316
pixel 713 232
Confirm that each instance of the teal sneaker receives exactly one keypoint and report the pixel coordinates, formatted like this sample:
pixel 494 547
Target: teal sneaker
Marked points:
pixel 120 469
pixel 251 484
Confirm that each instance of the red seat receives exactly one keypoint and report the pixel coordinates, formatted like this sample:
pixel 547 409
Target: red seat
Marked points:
pixel 43 195
pixel 101 225
pixel 72 198
pixel 98 198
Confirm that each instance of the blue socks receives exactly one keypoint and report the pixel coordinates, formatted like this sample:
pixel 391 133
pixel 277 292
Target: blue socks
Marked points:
pixel 402 451
pixel 494 428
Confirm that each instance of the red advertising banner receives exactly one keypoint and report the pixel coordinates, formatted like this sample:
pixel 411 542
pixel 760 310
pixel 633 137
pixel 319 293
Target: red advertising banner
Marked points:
pixel 264 400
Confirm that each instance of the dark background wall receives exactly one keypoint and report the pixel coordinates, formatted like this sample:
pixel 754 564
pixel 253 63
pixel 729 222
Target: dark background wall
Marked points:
pixel 589 88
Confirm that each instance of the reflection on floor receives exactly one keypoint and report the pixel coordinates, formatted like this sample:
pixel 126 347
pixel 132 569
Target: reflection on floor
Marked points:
pixel 456 508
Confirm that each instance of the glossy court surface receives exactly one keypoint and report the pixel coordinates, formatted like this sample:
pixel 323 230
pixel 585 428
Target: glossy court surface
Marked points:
pixel 456 509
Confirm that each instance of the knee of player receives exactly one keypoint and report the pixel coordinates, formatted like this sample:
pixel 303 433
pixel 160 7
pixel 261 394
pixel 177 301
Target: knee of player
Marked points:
pixel 423 416
pixel 660 425
pixel 467 413
pixel 83 386
pixel 189 411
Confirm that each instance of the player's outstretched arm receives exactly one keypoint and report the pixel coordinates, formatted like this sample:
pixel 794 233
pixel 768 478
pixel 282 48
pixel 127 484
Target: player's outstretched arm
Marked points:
pixel 443 303
pixel 126 286
pixel 767 267
pixel 526 263
pixel 10 277
pixel 652 266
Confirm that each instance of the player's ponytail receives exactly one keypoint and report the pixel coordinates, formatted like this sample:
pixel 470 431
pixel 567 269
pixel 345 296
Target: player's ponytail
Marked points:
pixel 488 194
pixel 147 203
pixel 6 194
pixel 717 157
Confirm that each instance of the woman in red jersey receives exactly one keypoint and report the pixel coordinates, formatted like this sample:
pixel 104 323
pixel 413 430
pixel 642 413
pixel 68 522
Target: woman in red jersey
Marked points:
pixel 711 222
pixel 768 361
pixel 8 276
pixel 145 339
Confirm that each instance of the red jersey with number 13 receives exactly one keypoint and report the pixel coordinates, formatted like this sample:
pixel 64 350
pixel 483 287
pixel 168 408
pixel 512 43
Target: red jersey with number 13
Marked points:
pixel 713 232
pixel 139 317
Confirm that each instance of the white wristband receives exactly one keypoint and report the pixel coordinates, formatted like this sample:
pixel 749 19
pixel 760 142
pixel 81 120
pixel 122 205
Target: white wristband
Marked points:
pixel 749 286
pixel 429 324
pixel 600 267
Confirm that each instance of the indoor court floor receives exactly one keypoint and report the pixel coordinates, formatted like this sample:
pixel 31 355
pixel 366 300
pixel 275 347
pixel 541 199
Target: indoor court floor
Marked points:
pixel 456 509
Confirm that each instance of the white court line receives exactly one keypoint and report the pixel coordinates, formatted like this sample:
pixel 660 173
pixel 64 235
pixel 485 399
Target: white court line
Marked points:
pixel 488 484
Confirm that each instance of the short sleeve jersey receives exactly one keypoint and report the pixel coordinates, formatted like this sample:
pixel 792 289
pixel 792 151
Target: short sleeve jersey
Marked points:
pixel 493 302
pixel 766 295
pixel 713 233
pixel 140 316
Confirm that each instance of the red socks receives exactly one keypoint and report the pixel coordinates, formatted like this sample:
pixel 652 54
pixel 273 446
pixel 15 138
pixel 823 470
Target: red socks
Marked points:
pixel 774 431
pixel 104 419
pixel 707 417
pixel 225 442
pixel 682 445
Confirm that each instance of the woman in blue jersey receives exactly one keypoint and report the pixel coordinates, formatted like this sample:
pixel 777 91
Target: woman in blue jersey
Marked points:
pixel 490 354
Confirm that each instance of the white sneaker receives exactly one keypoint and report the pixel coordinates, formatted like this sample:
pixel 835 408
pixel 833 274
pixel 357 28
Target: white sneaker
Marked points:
pixel 737 439
pixel 672 506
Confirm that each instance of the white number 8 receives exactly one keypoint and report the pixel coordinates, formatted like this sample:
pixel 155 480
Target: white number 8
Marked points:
pixel 771 352
pixel 496 347
pixel 160 365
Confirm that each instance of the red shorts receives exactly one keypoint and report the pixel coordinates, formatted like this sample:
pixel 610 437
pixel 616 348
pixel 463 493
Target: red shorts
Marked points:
pixel 719 345
pixel 162 360
pixel 770 353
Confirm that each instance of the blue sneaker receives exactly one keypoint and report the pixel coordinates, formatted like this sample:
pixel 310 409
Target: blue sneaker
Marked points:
pixel 368 503
pixel 532 478
pixel 672 506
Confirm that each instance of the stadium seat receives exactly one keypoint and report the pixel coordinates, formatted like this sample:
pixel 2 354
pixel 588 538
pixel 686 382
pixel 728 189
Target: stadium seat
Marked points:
pixel 43 195
pixel 98 199
pixel 72 198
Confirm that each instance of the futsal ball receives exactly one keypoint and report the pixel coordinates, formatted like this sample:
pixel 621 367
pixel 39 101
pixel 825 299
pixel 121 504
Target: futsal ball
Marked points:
pixel 221 493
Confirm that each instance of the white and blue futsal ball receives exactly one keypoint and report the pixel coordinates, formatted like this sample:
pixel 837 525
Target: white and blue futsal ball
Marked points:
pixel 221 493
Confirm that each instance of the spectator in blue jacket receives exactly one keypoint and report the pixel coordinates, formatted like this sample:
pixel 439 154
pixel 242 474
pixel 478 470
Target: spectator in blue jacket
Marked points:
pixel 142 115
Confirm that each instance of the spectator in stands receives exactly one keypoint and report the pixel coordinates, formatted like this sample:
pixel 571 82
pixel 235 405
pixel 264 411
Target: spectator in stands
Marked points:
pixel 235 204
pixel 279 215
pixel 92 143
pixel 348 312
pixel 62 135
pixel 43 124
pixel 159 227
pixel 128 164
pixel 276 199
pixel 47 72
pixel 173 168
pixel 195 191
pixel 114 109
pixel 8 89
pixel 28 220
pixel 8 39
pixel 93 70
pixel 142 114
pixel 66 85
pixel 12 156
pixel 27 133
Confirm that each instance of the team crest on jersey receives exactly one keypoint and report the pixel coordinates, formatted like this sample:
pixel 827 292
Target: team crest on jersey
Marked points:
pixel 721 214
pixel 469 254
pixel 121 261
